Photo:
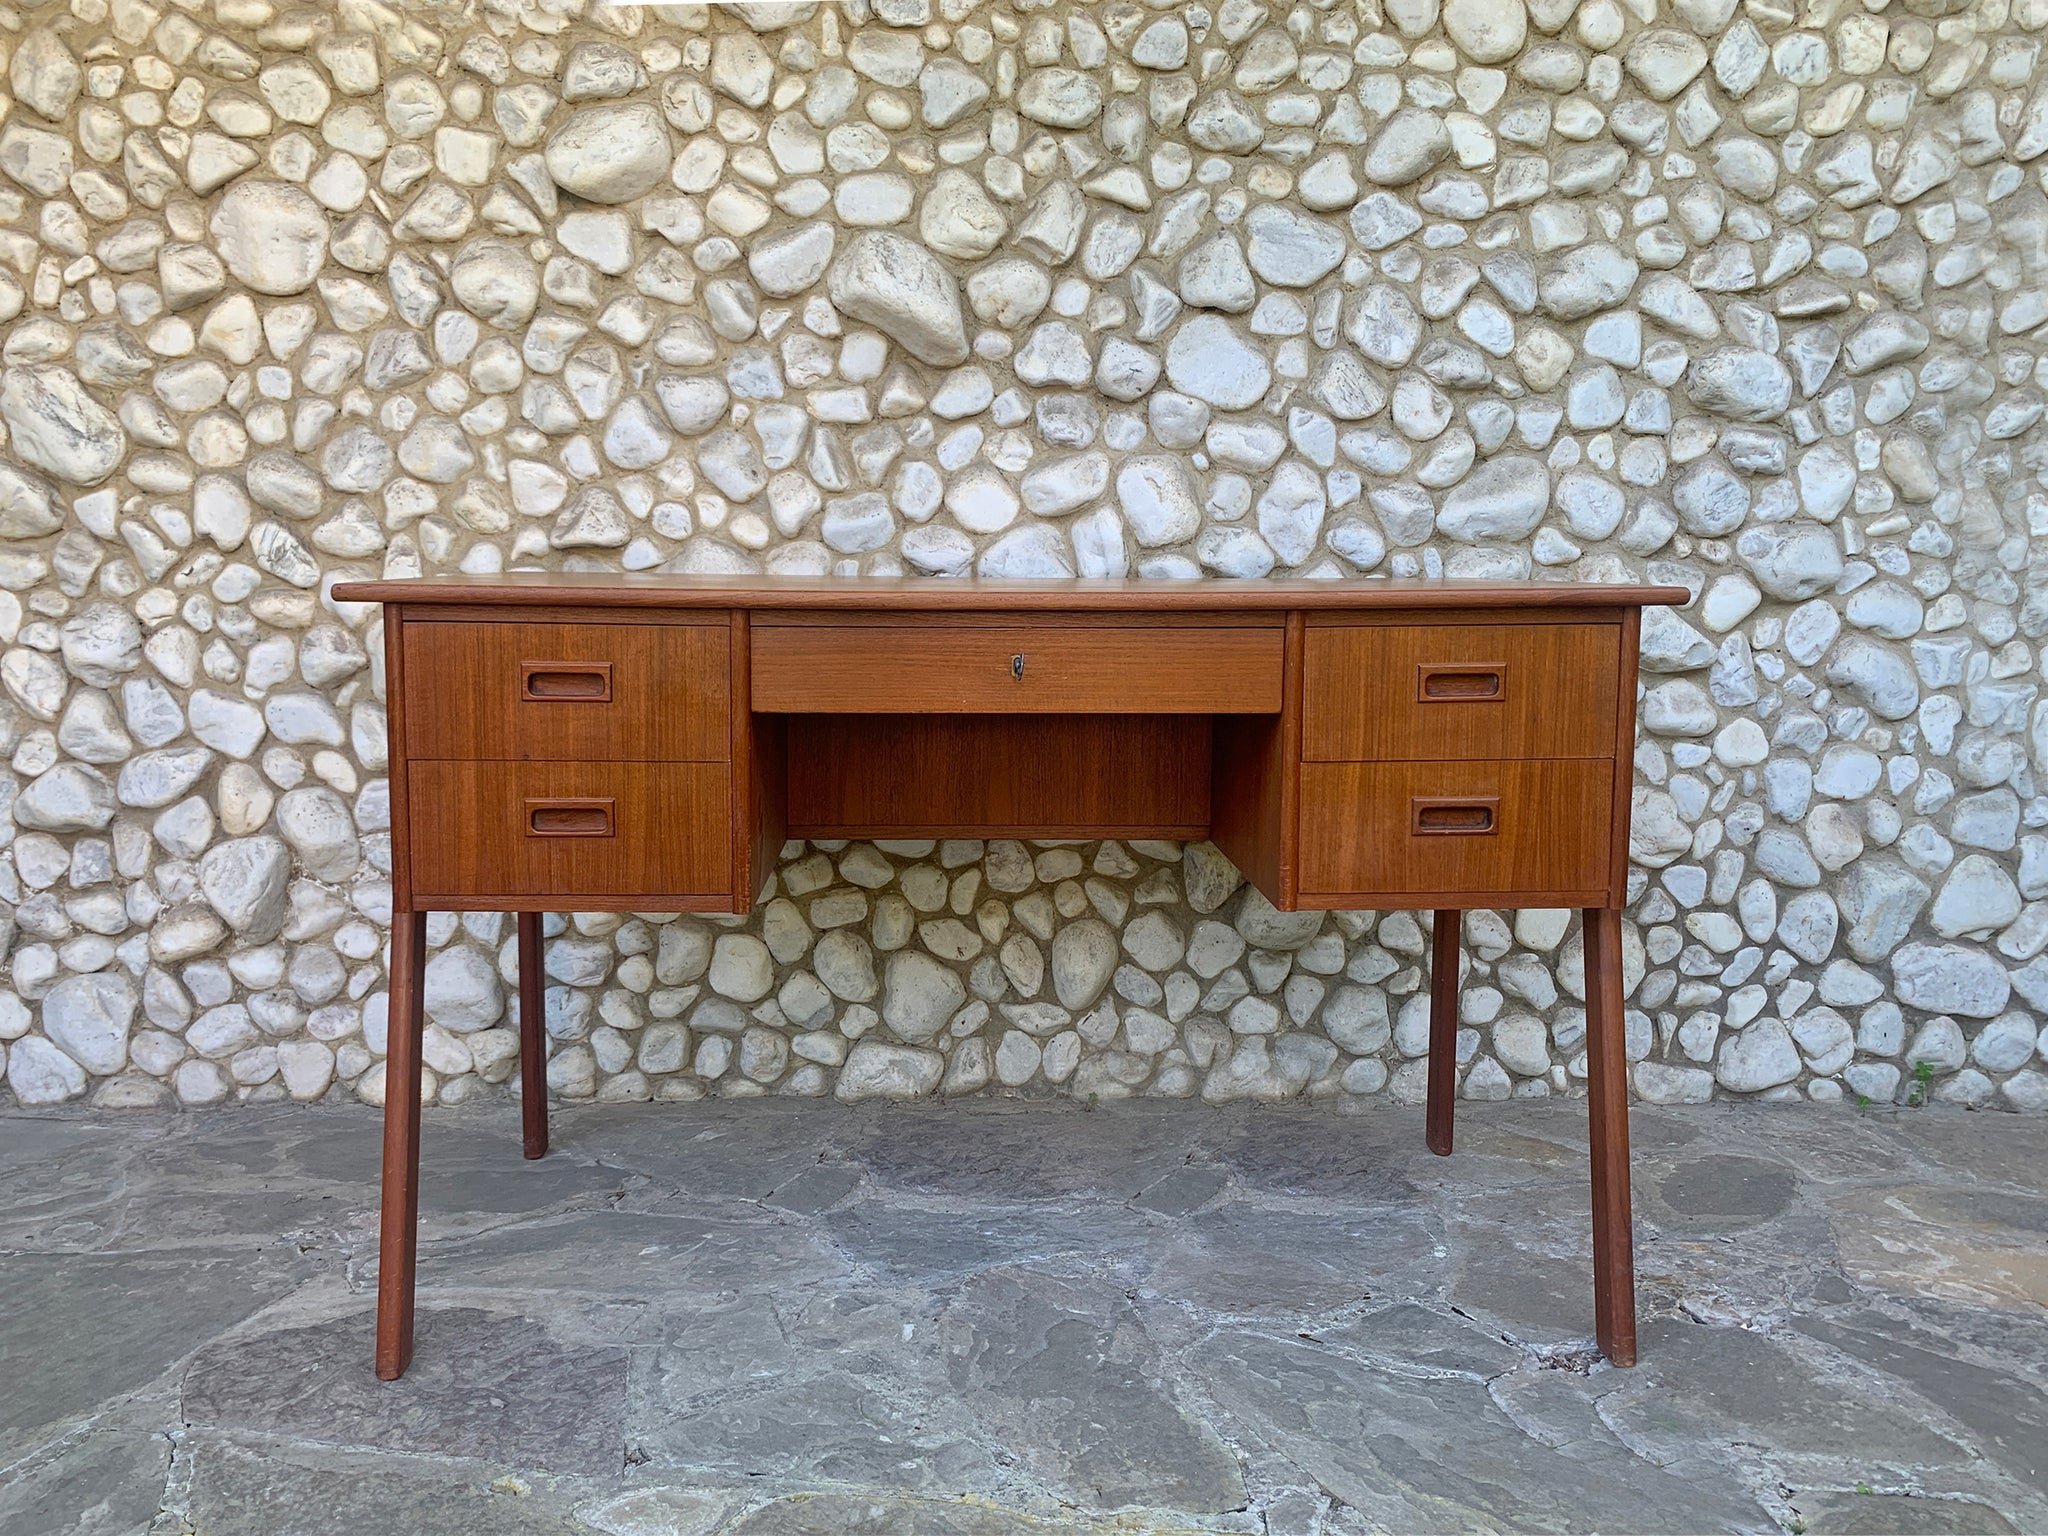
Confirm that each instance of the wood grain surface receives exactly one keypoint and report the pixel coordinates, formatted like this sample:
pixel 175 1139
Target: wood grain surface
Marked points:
pixel 1080 594
pixel 998 776
pixel 1550 833
pixel 1256 780
pixel 1614 1266
pixel 1090 668
pixel 1441 1093
pixel 668 693
pixel 671 831
pixel 1459 691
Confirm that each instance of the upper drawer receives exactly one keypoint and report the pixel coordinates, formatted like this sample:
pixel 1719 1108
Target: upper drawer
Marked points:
pixel 1016 669
pixel 554 692
pixel 1383 693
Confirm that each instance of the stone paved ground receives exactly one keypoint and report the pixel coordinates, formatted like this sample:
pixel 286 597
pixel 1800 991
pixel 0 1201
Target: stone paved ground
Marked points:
pixel 1005 1319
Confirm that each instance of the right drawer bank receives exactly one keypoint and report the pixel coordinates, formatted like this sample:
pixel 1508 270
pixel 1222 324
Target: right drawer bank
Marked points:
pixel 1445 760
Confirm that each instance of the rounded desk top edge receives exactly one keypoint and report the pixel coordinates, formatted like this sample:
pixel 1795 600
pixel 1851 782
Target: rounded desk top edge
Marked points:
pixel 969 594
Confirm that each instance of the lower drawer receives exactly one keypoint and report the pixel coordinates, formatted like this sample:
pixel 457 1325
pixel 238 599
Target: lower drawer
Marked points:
pixel 564 830
pixel 1523 828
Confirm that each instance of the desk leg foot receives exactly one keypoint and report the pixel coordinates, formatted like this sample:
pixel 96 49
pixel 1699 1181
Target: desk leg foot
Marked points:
pixel 533 1039
pixel 398 1241
pixel 1443 1032
pixel 1614 1274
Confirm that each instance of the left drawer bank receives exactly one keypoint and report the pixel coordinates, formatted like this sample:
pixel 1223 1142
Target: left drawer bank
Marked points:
pixel 559 761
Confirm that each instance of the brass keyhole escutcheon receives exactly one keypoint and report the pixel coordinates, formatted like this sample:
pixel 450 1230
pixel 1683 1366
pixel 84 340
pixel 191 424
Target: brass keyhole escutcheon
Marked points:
pixel 1017 666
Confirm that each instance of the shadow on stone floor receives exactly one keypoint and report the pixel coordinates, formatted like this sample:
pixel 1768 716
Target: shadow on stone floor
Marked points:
pixel 483 1388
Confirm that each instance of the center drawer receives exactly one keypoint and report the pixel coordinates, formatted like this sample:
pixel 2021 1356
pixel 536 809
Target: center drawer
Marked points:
pixel 565 692
pixel 1016 669
pixel 1400 692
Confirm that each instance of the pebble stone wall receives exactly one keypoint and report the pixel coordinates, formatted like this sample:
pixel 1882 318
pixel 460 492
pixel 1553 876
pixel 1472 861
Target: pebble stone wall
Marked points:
pixel 1744 296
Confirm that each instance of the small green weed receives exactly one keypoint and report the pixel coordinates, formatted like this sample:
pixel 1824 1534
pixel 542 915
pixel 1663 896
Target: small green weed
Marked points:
pixel 1923 1079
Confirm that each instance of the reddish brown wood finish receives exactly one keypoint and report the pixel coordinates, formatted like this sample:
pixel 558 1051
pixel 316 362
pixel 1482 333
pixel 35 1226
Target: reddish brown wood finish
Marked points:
pixel 1018 618
pixel 1547 833
pixel 1255 793
pixel 1443 1032
pixel 666 691
pixel 872 594
pixel 1088 667
pixel 471 833
pixel 396 721
pixel 1614 1273
pixel 398 1219
pixel 989 776
pixel 533 1039
pixel 1251 783
pixel 760 776
pixel 628 708
pixel 398 1213
pixel 1421 692
pixel 1583 609
pixel 1624 758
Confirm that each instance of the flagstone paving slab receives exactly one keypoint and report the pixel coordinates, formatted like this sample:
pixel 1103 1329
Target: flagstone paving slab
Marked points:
pixel 1006 1320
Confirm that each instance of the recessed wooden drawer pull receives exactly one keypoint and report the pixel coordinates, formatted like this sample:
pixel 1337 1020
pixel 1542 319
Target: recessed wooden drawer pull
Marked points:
pixel 568 682
pixel 570 818
pixel 1469 683
pixel 1454 818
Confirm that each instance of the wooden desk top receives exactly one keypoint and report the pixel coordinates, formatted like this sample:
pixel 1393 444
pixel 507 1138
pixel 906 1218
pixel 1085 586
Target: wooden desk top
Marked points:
pixel 973 593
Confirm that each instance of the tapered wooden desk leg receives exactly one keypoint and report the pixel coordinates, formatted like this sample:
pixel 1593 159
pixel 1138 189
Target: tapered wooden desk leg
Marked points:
pixel 1614 1270
pixel 398 1244
pixel 533 1039
pixel 1443 1032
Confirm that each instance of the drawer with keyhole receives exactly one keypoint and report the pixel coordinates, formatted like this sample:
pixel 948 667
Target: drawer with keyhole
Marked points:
pixel 1082 668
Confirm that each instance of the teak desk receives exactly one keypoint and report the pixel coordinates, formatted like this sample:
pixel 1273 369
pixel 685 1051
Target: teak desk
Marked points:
pixel 646 744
